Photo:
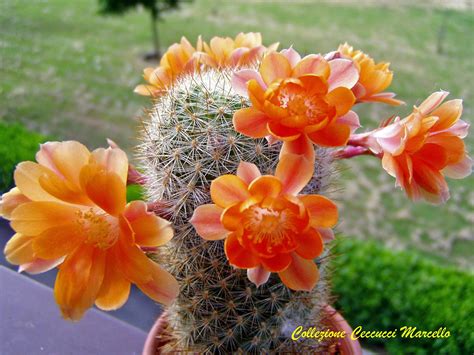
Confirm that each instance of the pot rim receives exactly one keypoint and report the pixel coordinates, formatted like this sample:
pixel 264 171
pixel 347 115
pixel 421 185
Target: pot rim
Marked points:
pixel 333 319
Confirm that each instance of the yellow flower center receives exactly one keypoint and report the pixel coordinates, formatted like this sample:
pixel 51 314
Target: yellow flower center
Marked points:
pixel 101 230
pixel 303 108
pixel 269 230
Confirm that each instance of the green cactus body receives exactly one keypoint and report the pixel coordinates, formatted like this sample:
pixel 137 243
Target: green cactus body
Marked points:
pixel 188 141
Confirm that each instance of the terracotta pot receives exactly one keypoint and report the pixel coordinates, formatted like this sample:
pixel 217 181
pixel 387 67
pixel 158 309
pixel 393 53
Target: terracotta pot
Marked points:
pixel 157 336
pixel 345 346
pixel 154 340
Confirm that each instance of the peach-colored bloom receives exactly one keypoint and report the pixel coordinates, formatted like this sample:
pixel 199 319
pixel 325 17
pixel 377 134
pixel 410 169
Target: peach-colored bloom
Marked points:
pixel 245 49
pixel 221 52
pixel 298 100
pixel 179 58
pixel 266 225
pixel 424 147
pixel 374 78
pixel 69 209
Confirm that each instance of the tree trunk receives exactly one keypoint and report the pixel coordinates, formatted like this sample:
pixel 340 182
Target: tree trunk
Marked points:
pixel 156 40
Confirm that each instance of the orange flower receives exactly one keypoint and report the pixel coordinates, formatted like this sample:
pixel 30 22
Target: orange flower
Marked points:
pixel 178 59
pixel 69 209
pixel 245 49
pixel 373 78
pixel 298 101
pixel 424 147
pixel 266 225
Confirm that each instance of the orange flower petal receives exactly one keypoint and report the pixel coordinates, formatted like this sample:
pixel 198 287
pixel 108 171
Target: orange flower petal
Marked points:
pixel 392 138
pixel 433 101
pixel 428 178
pixel 186 46
pixel 333 135
pixel 146 90
pixel 33 218
pixel 239 256
pixel 79 280
pixel 274 66
pixel 132 261
pixel 277 263
pixel 38 266
pixel 256 93
pixel 160 77
pixel 322 211
pixel 162 287
pixel 392 167
pixel 231 218
pixel 343 73
pixel 206 220
pixel 294 172
pixel 115 288
pixel 238 55
pixel 62 189
pixel 104 188
pixel 150 230
pixel 27 176
pixel 448 114
pixel 314 84
pixel 57 242
pixel 114 160
pixel 312 64
pixel 176 58
pixel 436 156
pixel 310 244
pixel 258 275
pixel 241 79
pixel 301 275
pixel 283 133
pixel 265 186
pixel 274 111
pixel 147 73
pixel 221 48
pixel 250 122
pixel 227 190
pixel 342 99
pixel 248 172
pixel 327 234
pixel 64 158
pixel 301 146
pixel 437 198
pixel 19 250
pixel 385 97
pixel 459 170
pixel 292 56
pixel 11 200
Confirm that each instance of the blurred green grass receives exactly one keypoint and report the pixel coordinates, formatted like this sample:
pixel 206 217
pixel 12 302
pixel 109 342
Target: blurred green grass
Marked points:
pixel 66 71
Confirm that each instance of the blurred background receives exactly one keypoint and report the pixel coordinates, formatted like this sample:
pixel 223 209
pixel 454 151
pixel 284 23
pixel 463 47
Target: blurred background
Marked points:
pixel 68 70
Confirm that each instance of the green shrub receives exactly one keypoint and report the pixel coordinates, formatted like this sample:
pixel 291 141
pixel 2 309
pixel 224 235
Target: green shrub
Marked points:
pixel 16 144
pixel 384 290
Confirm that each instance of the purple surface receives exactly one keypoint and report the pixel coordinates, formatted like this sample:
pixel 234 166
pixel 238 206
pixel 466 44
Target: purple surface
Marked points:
pixel 30 323
pixel 139 310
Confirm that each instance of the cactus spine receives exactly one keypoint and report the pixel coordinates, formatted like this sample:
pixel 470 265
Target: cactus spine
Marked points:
pixel 188 141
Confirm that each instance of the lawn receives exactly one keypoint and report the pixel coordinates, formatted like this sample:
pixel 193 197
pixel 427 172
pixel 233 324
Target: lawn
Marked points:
pixel 66 71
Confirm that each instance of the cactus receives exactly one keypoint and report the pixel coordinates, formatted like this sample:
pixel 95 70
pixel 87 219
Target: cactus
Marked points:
pixel 188 141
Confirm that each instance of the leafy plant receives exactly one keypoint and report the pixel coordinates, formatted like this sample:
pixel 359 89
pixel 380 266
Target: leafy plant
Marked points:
pixel 384 290
pixel 16 144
